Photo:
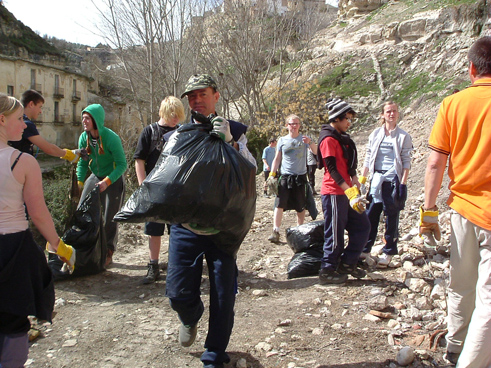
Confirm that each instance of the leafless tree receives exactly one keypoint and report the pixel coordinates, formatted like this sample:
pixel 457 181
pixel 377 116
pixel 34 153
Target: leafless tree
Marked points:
pixel 248 43
pixel 148 37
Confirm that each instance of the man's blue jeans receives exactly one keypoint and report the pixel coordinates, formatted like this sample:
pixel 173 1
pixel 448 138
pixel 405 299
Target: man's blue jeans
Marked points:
pixel 186 251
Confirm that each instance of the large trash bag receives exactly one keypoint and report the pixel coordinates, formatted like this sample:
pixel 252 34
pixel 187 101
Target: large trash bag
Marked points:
pixel 305 236
pixel 306 263
pixel 198 179
pixel 87 236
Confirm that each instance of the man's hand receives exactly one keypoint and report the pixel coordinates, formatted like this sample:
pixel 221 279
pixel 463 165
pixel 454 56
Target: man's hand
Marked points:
pixel 221 128
pixel 66 253
pixel 200 230
pixel 272 184
pixel 363 188
pixel 429 229
pixel 357 202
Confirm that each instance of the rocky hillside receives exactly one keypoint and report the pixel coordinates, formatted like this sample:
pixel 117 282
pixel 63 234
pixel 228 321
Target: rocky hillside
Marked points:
pixel 413 52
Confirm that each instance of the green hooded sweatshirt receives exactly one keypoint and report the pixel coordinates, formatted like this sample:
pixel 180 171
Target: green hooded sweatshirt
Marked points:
pixel 107 159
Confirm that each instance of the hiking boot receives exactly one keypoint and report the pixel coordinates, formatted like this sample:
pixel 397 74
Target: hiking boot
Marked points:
pixel 353 270
pixel 187 334
pixel 153 273
pixel 275 237
pixel 384 260
pixel 330 276
pixel 451 358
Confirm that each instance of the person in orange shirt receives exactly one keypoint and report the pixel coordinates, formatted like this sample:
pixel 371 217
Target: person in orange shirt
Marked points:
pixel 461 136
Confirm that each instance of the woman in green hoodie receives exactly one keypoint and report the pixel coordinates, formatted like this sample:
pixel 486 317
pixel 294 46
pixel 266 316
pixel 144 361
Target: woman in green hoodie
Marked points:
pixel 107 162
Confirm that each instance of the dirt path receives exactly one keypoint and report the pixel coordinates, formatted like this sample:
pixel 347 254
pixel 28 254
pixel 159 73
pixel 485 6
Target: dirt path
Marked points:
pixel 112 320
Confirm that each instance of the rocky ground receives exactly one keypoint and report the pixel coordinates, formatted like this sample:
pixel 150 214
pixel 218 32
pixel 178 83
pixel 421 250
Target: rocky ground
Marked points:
pixel 112 320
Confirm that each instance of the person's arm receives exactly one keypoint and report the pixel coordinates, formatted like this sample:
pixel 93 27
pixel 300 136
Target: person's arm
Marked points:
pixel 140 170
pixel 28 171
pixel 48 148
pixel 434 177
pixel 405 175
pixel 120 164
pixel 275 165
pixel 333 171
pixel 266 165
pixel 241 146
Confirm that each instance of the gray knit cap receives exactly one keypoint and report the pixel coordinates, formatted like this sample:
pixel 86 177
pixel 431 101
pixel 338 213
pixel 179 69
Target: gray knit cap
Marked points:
pixel 336 107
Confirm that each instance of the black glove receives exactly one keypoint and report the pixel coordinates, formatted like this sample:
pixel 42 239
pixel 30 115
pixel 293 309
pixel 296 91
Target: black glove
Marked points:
pixel 402 193
pixel 200 118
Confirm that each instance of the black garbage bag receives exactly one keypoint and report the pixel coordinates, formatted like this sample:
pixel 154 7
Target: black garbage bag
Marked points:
pixel 302 237
pixel 87 236
pixel 306 263
pixel 198 179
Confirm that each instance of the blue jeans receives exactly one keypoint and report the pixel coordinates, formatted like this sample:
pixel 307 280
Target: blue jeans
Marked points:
pixel 391 212
pixel 186 251
pixel 339 216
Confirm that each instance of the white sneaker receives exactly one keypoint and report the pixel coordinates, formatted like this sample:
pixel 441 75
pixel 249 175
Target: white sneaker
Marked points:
pixel 384 260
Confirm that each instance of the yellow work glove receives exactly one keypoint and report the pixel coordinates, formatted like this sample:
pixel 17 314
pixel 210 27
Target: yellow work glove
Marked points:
pixel 200 230
pixel 71 156
pixel 66 253
pixel 356 201
pixel 429 229
pixel 80 186
pixel 272 183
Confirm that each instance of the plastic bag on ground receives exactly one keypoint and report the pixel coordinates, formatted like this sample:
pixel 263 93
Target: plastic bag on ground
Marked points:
pixel 306 263
pixel 87 236
pixel 198 179
pixel 305 236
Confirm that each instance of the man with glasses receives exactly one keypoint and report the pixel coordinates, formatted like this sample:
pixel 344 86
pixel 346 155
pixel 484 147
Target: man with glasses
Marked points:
pixel 343 206
pixel 291 158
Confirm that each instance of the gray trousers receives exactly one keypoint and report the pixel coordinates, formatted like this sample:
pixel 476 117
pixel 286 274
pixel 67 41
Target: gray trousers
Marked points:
pixel 111 201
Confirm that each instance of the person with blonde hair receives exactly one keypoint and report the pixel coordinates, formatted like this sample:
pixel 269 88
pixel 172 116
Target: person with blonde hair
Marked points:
pixel 146 156
pixel 388 160
pixel 291 160
pixel 26 282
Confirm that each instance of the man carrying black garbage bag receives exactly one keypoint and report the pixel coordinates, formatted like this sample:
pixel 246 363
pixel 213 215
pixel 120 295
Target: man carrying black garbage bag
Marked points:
pixel 188 243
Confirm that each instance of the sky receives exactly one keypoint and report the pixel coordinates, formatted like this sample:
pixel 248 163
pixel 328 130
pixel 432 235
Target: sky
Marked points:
pixel 70 20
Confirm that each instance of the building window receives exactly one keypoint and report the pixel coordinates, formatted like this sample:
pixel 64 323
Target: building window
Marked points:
pixel 10 90
pixel 74 113
pixel 33 78
pixel 57 111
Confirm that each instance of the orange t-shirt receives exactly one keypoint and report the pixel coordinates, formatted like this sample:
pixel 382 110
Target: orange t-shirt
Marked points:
pixel 463 130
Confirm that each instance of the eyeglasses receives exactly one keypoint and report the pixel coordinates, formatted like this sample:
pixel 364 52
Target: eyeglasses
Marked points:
pixel 294 124
pixel 350 120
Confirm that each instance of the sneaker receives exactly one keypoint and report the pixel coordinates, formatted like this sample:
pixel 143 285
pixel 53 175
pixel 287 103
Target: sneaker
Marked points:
pixel 330 276
pixel 275 237
pixel 353 270
pixel 187 335
pixel 265 195
pixel 153 273
pixel 451 358
pixel 109 258
pixel 384 260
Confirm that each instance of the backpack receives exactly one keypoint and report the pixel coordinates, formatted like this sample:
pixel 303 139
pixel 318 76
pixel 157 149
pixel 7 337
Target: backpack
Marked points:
pixel 156 141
